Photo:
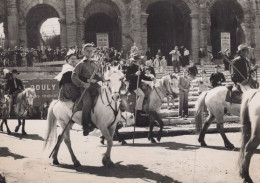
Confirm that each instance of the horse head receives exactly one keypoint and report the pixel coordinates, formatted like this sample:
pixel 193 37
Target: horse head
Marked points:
pixel 29 95
pixel 114 78
pixel 170 82
pixel 127 119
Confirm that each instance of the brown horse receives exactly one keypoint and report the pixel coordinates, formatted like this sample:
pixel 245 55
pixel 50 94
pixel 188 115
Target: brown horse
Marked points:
pixel 250 118
pixel 167 85
pixel 24 103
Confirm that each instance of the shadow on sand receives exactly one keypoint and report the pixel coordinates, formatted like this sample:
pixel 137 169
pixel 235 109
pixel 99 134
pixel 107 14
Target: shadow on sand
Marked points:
pixel 4 152
pixel 123 171
pixel 222 148
pixel 28 136
pixel 168 145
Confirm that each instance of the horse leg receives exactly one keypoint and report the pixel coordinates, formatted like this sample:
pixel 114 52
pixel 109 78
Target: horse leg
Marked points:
pixel 68 143
pixel 250 149
pixel 157 118
pixel 8 130
pixel 55 153
pixel 220 127
pixel 23 126
pixel 120 138
pixel 204 129
pixel 18 126
pixel 1 126
pixel 102 141
pixel 150 133
pixel 106 159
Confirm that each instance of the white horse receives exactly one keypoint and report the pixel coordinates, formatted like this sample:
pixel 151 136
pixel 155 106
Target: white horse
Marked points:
pixel 105 116
pixel 250 119
pixel 215 101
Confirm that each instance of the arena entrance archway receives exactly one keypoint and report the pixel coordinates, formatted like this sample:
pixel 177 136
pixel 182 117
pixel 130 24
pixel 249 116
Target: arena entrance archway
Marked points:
pixel 168 26
pixel 226 16
pixel 103 17
pixel 34 20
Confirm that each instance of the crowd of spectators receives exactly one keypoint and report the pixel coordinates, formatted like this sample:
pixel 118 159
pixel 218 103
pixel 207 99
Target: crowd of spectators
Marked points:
pixel 21 56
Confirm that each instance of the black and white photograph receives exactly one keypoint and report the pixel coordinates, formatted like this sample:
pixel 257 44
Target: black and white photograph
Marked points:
pixel 129 91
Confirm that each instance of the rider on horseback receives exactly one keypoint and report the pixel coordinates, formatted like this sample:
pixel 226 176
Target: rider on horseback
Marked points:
pixel 132 73
pixel 240 69
pixel 13 86
pixel 81 77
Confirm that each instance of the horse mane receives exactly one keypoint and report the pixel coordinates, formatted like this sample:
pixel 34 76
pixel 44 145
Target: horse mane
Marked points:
pixel 112 70
pixel 22 96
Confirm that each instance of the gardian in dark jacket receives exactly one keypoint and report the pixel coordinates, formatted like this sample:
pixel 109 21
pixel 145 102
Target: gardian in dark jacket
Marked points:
pixel 217 78
pixel 11 88
pixel 131 76
pixel 241 64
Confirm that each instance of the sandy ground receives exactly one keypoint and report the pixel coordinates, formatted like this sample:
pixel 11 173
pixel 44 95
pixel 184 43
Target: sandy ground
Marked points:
pixel 175 159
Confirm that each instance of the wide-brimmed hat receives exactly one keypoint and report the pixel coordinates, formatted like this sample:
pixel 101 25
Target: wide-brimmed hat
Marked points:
pixel 242 47
pixel 14 71
pixel 217 66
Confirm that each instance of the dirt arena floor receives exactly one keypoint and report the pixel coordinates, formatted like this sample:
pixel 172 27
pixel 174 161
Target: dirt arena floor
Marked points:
pixel 175 159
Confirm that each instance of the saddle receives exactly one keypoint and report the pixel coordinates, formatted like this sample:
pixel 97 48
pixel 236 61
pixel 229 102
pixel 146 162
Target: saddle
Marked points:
pixel 142 118
pixel 234 95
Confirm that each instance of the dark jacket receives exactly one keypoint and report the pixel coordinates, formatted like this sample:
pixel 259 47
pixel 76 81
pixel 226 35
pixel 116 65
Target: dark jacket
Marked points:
pixel 66 78
pixel 241 64
pixel 216 77
pixel 132 77
pixel 10 87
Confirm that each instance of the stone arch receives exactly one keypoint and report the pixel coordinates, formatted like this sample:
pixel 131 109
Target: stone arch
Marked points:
pixel 26 6
pixel 235 11
pixel 34 19
pixel 185 5
pixel 168 24
pixel 103 9
pixel 120 7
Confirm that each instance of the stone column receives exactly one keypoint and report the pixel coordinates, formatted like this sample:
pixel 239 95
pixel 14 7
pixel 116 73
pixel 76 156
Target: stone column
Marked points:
pixel 136 22
pixel 203 26
pixel 195 37
pixel 63 32
pixel 256 30
pixel 71 22
pixel 12 21
pixel 144 43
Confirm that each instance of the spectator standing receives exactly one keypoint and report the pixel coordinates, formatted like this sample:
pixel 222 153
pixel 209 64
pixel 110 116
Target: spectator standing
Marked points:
pixel 182 61
pixel 148 54
pixel 134 50
pixel 163 64
pixel 175 59
pixel 184 86
pixel 202 56
pixel 159 53
pixel 186 56
pixel 156 63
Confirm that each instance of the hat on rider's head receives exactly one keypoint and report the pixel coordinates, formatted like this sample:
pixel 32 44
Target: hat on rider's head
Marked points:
pixel 242 47
pixel 88 45
pixel 70 53
pixel 217 66
pixel 14 71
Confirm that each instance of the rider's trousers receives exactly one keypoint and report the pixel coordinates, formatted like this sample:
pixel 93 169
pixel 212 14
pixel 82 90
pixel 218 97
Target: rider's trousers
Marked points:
pixel 140 100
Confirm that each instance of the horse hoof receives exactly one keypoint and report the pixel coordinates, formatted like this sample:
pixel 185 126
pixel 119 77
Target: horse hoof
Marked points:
pixel 124 142
pixel 55 162
pixel 77 164
pixel 203 144
pixel 159 138
pixel 230 146
pixel 9 132
pixel 102 142
pixel 24 133
pixel 153 141
pixel 107 162
pixel 16 129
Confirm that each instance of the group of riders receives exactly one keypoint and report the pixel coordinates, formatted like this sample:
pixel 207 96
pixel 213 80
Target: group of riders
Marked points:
pixel 76 80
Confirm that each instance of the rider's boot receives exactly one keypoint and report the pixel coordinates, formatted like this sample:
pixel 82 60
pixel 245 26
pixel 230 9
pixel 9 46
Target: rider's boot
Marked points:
pixel 86 120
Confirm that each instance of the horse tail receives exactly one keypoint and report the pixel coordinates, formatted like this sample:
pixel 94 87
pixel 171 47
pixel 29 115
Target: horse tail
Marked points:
pixel 246 127
pixel 52 122
pixel 199 108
